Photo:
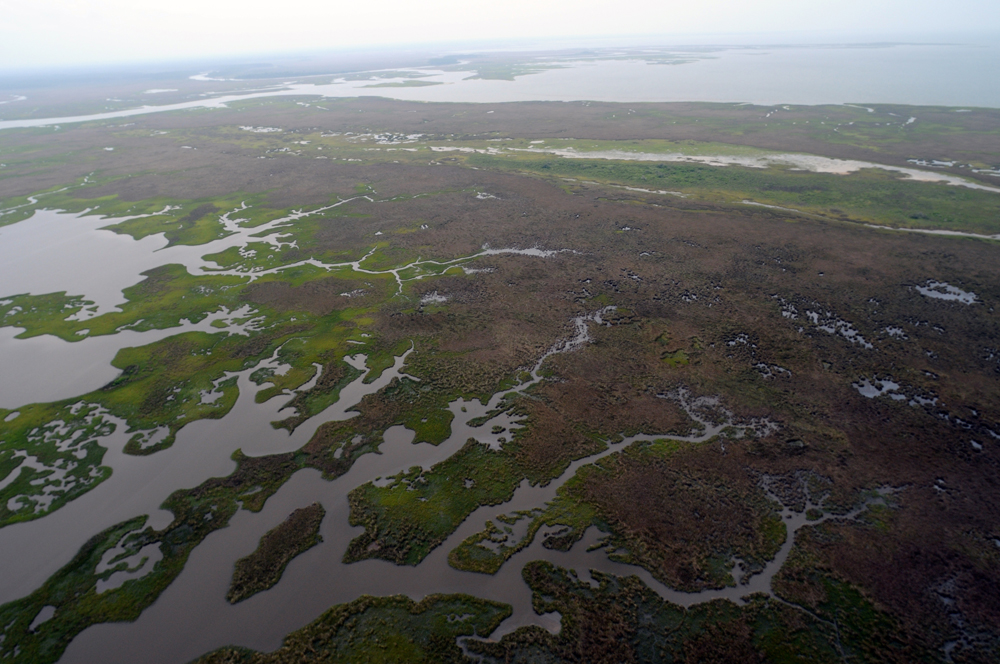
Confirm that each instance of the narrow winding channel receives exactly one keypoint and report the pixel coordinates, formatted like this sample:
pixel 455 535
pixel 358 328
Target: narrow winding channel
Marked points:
pixel 195 605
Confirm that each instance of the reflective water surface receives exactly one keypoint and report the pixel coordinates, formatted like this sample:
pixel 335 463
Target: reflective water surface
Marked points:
pixel 945 74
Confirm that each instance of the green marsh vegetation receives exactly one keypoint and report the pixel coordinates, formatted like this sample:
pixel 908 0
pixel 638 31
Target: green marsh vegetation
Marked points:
pixel 208 507
pixel 65 456
pixel 182 222
pixel 664 483
pixel 197 513
pixel 382 629
pixel 263 568
pixel 73 590
pixel 298 316
pixel 622 620
pixel 869 196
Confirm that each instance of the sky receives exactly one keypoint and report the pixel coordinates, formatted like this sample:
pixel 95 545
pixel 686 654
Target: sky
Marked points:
pixel 69 33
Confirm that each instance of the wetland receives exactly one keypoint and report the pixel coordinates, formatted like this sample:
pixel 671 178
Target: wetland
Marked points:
pixel 501 382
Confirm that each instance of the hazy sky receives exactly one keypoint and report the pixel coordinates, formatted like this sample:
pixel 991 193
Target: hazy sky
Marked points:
pixel 42 33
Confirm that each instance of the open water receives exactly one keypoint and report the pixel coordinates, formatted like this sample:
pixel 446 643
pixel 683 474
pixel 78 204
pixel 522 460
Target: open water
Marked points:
pixel 958 73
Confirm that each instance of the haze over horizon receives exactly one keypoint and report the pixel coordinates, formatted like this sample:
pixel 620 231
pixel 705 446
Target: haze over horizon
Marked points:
pixel 70 34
